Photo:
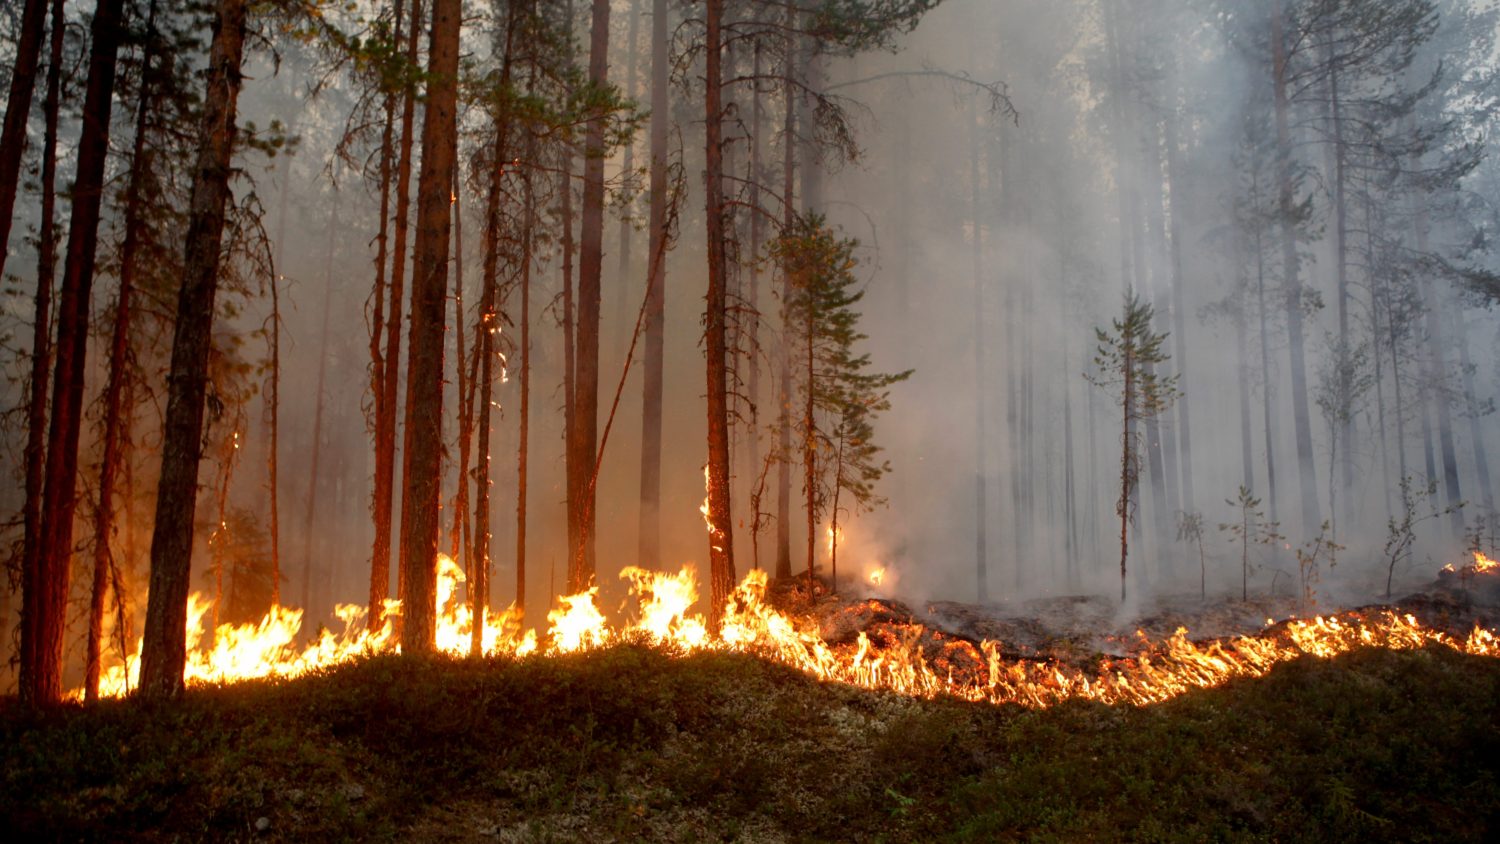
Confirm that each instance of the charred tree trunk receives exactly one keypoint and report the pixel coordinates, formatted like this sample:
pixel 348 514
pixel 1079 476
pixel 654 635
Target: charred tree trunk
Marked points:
pixel 44 618
pixel 721 537
pixel 422 480
pixel 41 341
pixel 649 552
pixel 17 110
pixel 164 646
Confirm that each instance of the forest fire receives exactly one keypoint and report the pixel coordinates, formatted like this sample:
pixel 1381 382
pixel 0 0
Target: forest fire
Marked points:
pixel 1155 671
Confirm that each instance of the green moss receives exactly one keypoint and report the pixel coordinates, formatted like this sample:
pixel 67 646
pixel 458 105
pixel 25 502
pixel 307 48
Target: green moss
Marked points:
pixel 631 744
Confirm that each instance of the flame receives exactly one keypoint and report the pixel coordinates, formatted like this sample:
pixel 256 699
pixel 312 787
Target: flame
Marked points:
pixel 1483 563
pixel 877 576
pixel 904 658
pixel 834 536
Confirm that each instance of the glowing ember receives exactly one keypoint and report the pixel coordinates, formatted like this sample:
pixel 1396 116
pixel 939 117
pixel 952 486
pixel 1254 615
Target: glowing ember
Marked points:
pixel 1157 671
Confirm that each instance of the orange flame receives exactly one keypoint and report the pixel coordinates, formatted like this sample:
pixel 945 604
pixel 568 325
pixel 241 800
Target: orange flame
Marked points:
pixel 1159 670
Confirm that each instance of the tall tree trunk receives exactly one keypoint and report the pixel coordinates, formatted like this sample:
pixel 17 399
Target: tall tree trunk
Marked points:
pixel 17 110
pixel 458 538
pixel 164 647
pixel 310 525
pixel 385 435
pixel 1268 415
pixel 789 215
pixel 721 534
pixel 42 627
pixel 1473 411
pixel 632 63
pixel 757 241
pixel 422 480
pixel 41 343
pixel 523 448
pixel 116 425
pixel 1177 192
pixel 584 446
pixel 384 415
pixel 981 509
pixel 1435 358
pixel 1345 433
pixel 649 551
pixel 1307 468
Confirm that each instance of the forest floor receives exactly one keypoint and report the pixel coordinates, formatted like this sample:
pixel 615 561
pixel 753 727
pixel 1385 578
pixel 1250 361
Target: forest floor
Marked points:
pixel 628 743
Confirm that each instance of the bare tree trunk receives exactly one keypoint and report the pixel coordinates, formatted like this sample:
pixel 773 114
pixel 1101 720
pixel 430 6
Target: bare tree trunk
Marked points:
pixel 17 110
pixel 981 507
pixel 583 449
pixel 1307 473
pixel 115 423
pixel 789 215
pixel 41 342
pixel 44 621
pixel 1472 406
pixel 649 553
pixel 757 242
pixel 632 62
pixel 164 650
pixel 422 479
pixel 1177 191
pixel 1128 463
pixel 385 426
pixel 273 465
pixel 310 525
pixel 384 414
pixel 523 448
pixel 1268 416
pixel 458 538
pixel 721 536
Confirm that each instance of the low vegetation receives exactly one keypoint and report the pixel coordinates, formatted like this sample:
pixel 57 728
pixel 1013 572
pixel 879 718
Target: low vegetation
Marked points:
pixel 629 744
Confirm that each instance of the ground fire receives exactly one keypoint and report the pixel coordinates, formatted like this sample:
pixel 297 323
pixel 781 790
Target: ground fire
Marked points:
pixel 907 659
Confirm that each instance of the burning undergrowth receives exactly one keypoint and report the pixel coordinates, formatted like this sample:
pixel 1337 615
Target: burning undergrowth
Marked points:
pixel 1038 659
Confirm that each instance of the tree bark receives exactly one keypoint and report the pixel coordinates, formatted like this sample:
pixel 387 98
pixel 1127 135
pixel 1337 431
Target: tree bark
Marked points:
pixel 422 481
pixel 42 626
pixel 17 110
pixel 584 445
pixel 164 646
pixel 788 218
pixel 116 424
pixel 384 412
pixel 41 344
pixel 649 552
pixel 721 535
pixel 1302 423
pixel 385 436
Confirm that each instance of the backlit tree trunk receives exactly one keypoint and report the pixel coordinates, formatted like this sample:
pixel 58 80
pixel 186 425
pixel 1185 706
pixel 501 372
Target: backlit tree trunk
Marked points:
pixel 582 453
pixel 422 480
pixel 164 647
pixel 17 110
pixel 41 339
pixel 46 606
pixel 649 552
pixel 115 423
pixel 720 537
